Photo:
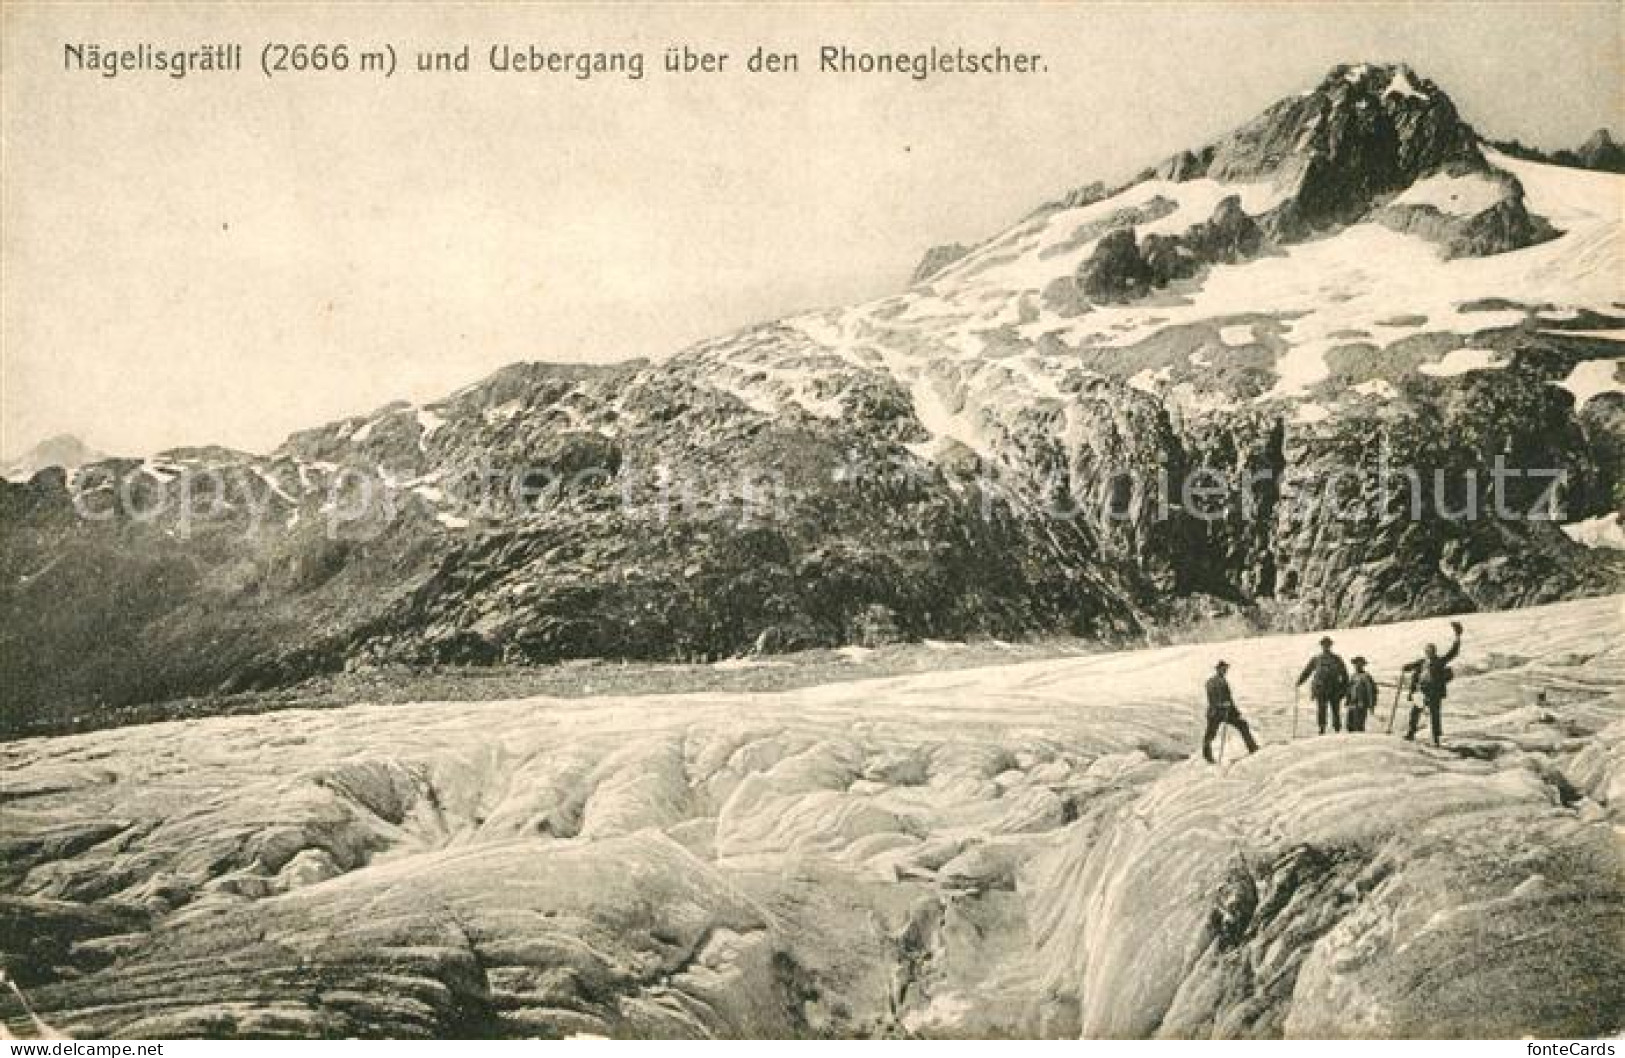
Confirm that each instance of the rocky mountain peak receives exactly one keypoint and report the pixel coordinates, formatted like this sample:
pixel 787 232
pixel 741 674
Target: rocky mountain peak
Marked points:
pixel 63 450
pixel 1384 122
pixel 1602 139
pixel 1601 151
pixel 1363 131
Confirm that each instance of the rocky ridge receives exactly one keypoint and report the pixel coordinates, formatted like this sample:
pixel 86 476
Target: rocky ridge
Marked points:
pixel 1352 280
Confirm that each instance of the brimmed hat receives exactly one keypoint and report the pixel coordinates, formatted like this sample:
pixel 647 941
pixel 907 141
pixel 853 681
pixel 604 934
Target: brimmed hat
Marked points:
pixel 1221 664
pixel 1357 660
pixel 1325 641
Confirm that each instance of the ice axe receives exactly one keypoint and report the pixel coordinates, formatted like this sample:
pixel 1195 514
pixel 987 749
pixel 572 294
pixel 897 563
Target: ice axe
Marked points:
pixel 1297 699
pixel 1399 685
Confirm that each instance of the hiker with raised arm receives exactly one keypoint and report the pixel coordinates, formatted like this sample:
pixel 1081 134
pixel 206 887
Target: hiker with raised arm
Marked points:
pixel 1431 674
pixel 1221 709
pixel 1329 681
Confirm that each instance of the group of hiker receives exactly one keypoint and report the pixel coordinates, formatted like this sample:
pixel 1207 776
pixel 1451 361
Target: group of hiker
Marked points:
pixel 1332 686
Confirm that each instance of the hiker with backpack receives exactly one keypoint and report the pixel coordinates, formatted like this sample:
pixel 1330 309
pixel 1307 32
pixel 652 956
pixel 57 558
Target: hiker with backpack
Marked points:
pixel 1329 681
pixel 1431 674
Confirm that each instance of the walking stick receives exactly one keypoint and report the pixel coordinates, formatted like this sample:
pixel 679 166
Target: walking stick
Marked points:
pixel 1393 712
pixel 1224 733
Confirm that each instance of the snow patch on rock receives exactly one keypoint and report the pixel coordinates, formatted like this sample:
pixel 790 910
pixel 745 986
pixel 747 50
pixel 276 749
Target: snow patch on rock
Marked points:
pixel 1461 361
pixel 1592 378
pixel 1401 85
pixel 1379 388
pixel 1461 196
pixel 1603 531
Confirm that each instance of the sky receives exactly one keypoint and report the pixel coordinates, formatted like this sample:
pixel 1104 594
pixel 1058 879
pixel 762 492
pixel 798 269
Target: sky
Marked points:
pixel 227 259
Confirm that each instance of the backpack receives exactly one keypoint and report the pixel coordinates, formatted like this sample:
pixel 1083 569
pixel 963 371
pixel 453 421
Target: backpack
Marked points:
pixel 1330 676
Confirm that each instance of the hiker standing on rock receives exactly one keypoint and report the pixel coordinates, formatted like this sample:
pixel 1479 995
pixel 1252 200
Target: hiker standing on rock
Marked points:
pixel 1431 675
pixel 1221 709
pixel 1330 683
pixel 1362 695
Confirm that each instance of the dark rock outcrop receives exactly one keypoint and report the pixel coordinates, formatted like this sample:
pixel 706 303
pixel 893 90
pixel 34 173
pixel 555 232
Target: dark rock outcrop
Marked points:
pixel 1086 195
pixel 1186 165
pixel 1602 152
pixel 936 259
pixel 1229 235
pixel 1504 226
pixel 1122 268
pixel 1115 271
